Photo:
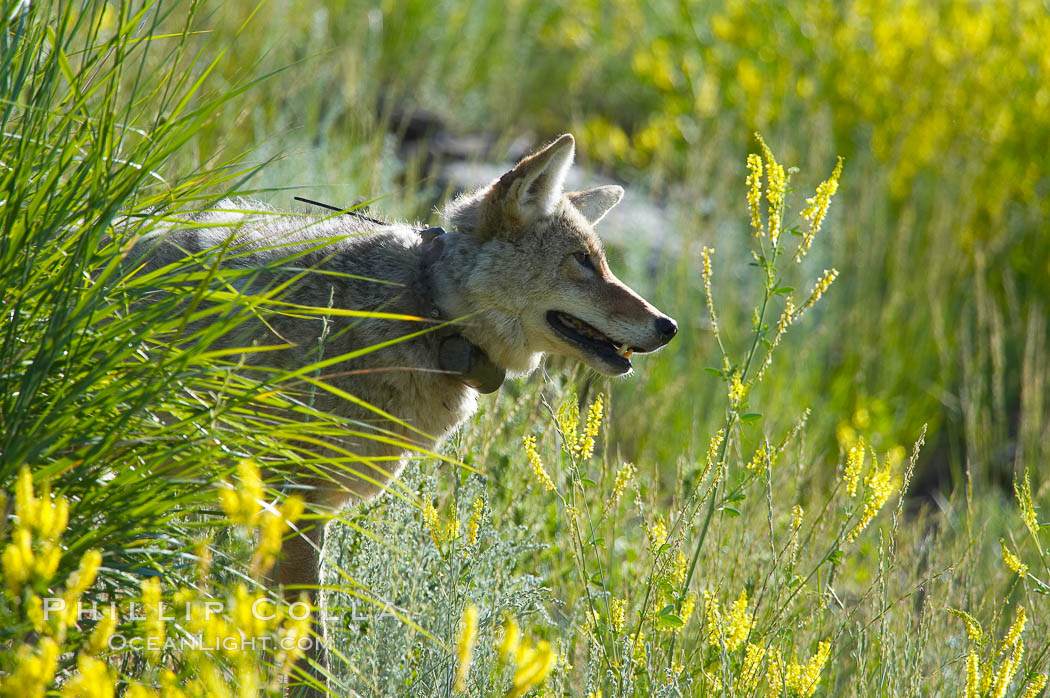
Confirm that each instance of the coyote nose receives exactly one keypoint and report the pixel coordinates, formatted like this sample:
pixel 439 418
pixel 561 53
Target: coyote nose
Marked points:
pixel 666 328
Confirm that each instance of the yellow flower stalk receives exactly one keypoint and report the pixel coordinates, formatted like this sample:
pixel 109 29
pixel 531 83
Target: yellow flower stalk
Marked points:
pixel 817 207
pixel 738 623
pixel 754 191
pixel 1024 501
pixel 618 614
pixel 680 569
pixel 973 629
pixel 688 606
pixel 535 463
pixel 243 502
pixel 776 188
pixel 657 533
pixel 1012 561
pixel 474 524
pixel 432 521
pixel 623 477
pixel 737 389
pixel 585 445
pixel 797 513
pixel 532 663
pixel 973 675
pixel 568 419
pixel 879 482
pixel 465 641
pixel 98 641
pixel 821 287
pixel 508 646
pixel 154 626
pixel 1034 686
pixel 854 463
pixel 713 619
pixel 749 671
pixel 705 254
pixel 810 675
pixel 1013 635
pixel 33 671
pixel 94 679
pixel 1006 672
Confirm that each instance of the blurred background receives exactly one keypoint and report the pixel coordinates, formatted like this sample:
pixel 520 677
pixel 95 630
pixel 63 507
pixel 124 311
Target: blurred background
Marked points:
pixel 940 109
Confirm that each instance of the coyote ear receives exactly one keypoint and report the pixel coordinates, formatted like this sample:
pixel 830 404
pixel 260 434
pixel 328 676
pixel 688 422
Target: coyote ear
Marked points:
pixel 534 186
pixel 595 203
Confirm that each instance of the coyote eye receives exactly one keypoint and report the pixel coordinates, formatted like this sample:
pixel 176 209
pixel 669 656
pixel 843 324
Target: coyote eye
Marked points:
pixel 585 260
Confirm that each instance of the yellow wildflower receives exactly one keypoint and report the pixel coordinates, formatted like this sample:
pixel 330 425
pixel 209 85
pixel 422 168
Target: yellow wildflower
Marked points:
pixel 822 285
pixel 1006 672
pixel 98 642
pixel 854 463
pixel 758 461
pixel 973 628
pixel 754 191
pixel 538 470
pixel 1035 686
pixel 680 569
pixel 272 525
pixel 1016 566
pixel 973 675
pixel 433 523
pixel 594 422
pixel 568 419
pixel 33 672
pixel 712 452
pixel 797 514
pixel 737 389
pixel 468 635
pixel 474 524
pixel 154 626
pixel 713 618
pixel 810 675
pixel 1024 500
pixel 508 646
pixel 787 316
pixel 776 188
pixel 879 482
pixel 1013 635
pixel 94 679
pixel 737 622
pixel 749 671
pixel 243 503
pixel 817 207
pixel 657 533
pixel 688 606
pixel 638 653
pixel 533 663
pixel 623 476
pixel 705 254
pixel 618 614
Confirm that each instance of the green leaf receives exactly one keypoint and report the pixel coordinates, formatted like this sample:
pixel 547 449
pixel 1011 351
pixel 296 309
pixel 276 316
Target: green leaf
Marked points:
pixel 750 416
pixel 714 372
pixel 669 621
pixel 589 482
pixel 669 608
pixel 731 511
pixel 784 290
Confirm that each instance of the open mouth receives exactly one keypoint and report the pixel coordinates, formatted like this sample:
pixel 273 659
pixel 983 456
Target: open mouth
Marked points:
pixel 591 340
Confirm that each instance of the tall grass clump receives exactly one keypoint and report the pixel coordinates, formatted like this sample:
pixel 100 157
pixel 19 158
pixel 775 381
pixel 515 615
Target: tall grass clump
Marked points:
pixel 118 418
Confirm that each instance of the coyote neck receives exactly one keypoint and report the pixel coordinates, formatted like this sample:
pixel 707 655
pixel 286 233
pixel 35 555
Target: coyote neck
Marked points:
pixel 491 322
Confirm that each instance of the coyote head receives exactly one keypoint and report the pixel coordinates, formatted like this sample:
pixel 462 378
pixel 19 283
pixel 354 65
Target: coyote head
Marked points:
pixel 529 267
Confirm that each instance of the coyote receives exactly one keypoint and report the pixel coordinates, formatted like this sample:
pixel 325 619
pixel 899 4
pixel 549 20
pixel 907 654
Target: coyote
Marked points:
pixel 520 273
